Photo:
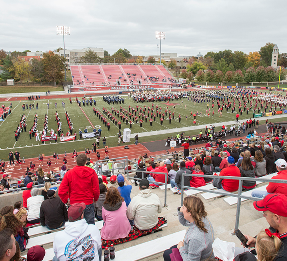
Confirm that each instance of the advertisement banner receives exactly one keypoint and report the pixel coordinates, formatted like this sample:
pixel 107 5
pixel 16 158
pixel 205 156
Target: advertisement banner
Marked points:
pixel 278 112
pixel 67 138
pixel 88 135
pixel 257 115
pixel 47 138
pixel 268 114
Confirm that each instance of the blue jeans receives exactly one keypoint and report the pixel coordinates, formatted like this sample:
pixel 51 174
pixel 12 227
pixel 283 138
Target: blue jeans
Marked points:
pixel 172 183
pixel 89 214
pixel 259 194
pixel 152 180
pixel 136 142
pixel 217 169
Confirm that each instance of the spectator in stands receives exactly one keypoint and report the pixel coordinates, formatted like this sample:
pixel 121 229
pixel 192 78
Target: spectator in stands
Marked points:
pixel 33 205
pixel 230 185
pixel 277 153
pixel 208 168
pixel 116 223
pixel 125 190
pixel 5 182
pixel 274 207
pixel 216 160
pixel 79 240
pixel 197 243
pixel 172 170
pixel 247 170
pixel 260 169
pixel 186 149
pixel 40 175
pixel 246 154
pixel 53 212
pixel 27 194
pixel 281 188
pixel 189 164
pixel 63 171
pixel 270 161
pixel 28 178
pixel 198 161
pixel 45 190
pixel 234 153
pixel 139 173
pixel 144 207
pixel 17 206
pixel 196 182
pixel 7 244
pixel 100 202
pixel 224 162
pixel 182 169
pixel 36 253
pixel 81 184
pixel 158 178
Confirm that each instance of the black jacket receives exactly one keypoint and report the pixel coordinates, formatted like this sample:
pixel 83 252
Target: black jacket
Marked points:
pixel 53 213
pixel 270 165
pixel 216 160
pixel 279 155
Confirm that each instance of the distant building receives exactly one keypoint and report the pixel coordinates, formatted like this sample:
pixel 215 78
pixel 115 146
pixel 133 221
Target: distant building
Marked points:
pixel 275 53
pixel 30 58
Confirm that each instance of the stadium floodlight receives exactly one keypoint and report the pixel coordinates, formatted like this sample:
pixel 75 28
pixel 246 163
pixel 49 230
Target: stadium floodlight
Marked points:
pixel 63 30
pixel 160 36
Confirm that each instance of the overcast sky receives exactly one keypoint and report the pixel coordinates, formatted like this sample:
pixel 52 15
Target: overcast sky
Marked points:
pixel 191 26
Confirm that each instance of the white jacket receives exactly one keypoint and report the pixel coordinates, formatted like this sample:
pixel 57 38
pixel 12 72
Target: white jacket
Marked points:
pixel 78 241
pixel 144 209
pixel 34 205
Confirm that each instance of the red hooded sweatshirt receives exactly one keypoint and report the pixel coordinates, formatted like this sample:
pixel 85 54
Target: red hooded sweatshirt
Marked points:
pixel 80 184
pixel 160 177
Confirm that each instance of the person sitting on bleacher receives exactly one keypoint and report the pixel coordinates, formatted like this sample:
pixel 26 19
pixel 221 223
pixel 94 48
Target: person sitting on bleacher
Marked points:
pixel 139 173
pixel 33 205
pixel 216 160
pixel 5 182
pixel 247 170
pixel 157 178
pixel 182 169
pixel 28 179
pixel 53 212
pixel 224 162
pixel 197 243
pixel 144 207
pixel 270 159
pixel 274 207
pixel 27 194
pixel 230 185
pixel 196 182
pixel 281 188
pixel 79 240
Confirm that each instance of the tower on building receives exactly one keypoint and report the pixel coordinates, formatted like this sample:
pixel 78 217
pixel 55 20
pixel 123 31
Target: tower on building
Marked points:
pixel 275 54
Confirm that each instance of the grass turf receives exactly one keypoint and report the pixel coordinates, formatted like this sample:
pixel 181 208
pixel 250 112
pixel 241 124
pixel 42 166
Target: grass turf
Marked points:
pixel 80 121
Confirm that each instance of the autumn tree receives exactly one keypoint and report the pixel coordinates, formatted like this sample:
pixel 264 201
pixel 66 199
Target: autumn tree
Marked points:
pixel 209 76
pixel 90 57
pixel 238 76
pixel 266 54
pixel 254 59
pixel 221 65
pixel 200 76
pixel 239 60
pixel 2 56
pixel 37 70
pixel 139 59
pixel 228 76
pixel 282 61
pixel 195 67
pixel 218 77
pixel 22 70
pixel 151 59
pixel 107 57
pixel 183 74
pixel 270 75
pixel 260 74
pixel 250 75
pixel 172 64
pixel 54 66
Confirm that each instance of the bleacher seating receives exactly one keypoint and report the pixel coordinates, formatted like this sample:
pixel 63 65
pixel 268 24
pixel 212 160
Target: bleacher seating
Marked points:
pixel 111 75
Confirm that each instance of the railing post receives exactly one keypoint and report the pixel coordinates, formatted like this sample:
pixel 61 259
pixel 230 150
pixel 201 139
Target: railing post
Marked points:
pixel 165 190
pixel 238 204
pixel 182 185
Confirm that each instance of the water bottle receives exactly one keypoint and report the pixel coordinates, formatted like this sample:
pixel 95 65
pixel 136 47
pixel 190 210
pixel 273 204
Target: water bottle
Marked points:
pixel 106 254
pixel 112 252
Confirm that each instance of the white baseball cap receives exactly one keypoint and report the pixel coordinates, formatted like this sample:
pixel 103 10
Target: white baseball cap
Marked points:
pixel 281 163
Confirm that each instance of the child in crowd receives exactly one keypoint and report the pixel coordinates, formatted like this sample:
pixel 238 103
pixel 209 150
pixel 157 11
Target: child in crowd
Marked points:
pixel 17 206
pixel 99 204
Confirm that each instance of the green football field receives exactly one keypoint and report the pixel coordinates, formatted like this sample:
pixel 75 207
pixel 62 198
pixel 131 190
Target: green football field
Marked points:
pixel 32 148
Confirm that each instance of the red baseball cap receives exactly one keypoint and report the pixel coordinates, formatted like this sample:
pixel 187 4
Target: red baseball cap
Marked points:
pixel 275 203
pixel 30 185
pixel 113 178
pixel 36 253
pixel 5 175
pixel 76 210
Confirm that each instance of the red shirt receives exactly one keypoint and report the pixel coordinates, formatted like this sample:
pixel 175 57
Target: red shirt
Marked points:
pixel 26 194
pixel 185 145
pixel 230 185
pixel 223 164
pixel 160 177
pixel 197 181
pixel 278 187
pixel 80 184
pixel 189 164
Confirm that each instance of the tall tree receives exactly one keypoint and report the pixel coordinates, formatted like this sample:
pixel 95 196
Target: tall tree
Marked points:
pixel 200 76
pixel 209 76
pixel 250 75
pixel 195 67
pixel 270 74
pixel 8 68
pixel 107 57
pixel 2 56
pixel 54 66
pixel 260 74
pixel 172 64
pixel 218 77
pixel 90 57
pixel 37 70
pixel 222 66
pixel 282 61
pixel 22 70
pixel 228 76
pixel 254 59
pixel 266 54
pixel 239 60
pixel 126 53
pixel 238 76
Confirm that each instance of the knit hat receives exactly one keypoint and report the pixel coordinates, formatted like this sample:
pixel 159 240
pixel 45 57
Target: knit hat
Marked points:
pixel 36 253
pixel 121 178
pixel 75 211
pixel 144 184
pixel 231 160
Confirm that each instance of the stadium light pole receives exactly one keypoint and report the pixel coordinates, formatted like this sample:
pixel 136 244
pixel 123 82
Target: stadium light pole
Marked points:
pixel 160 36
pixel 64 30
